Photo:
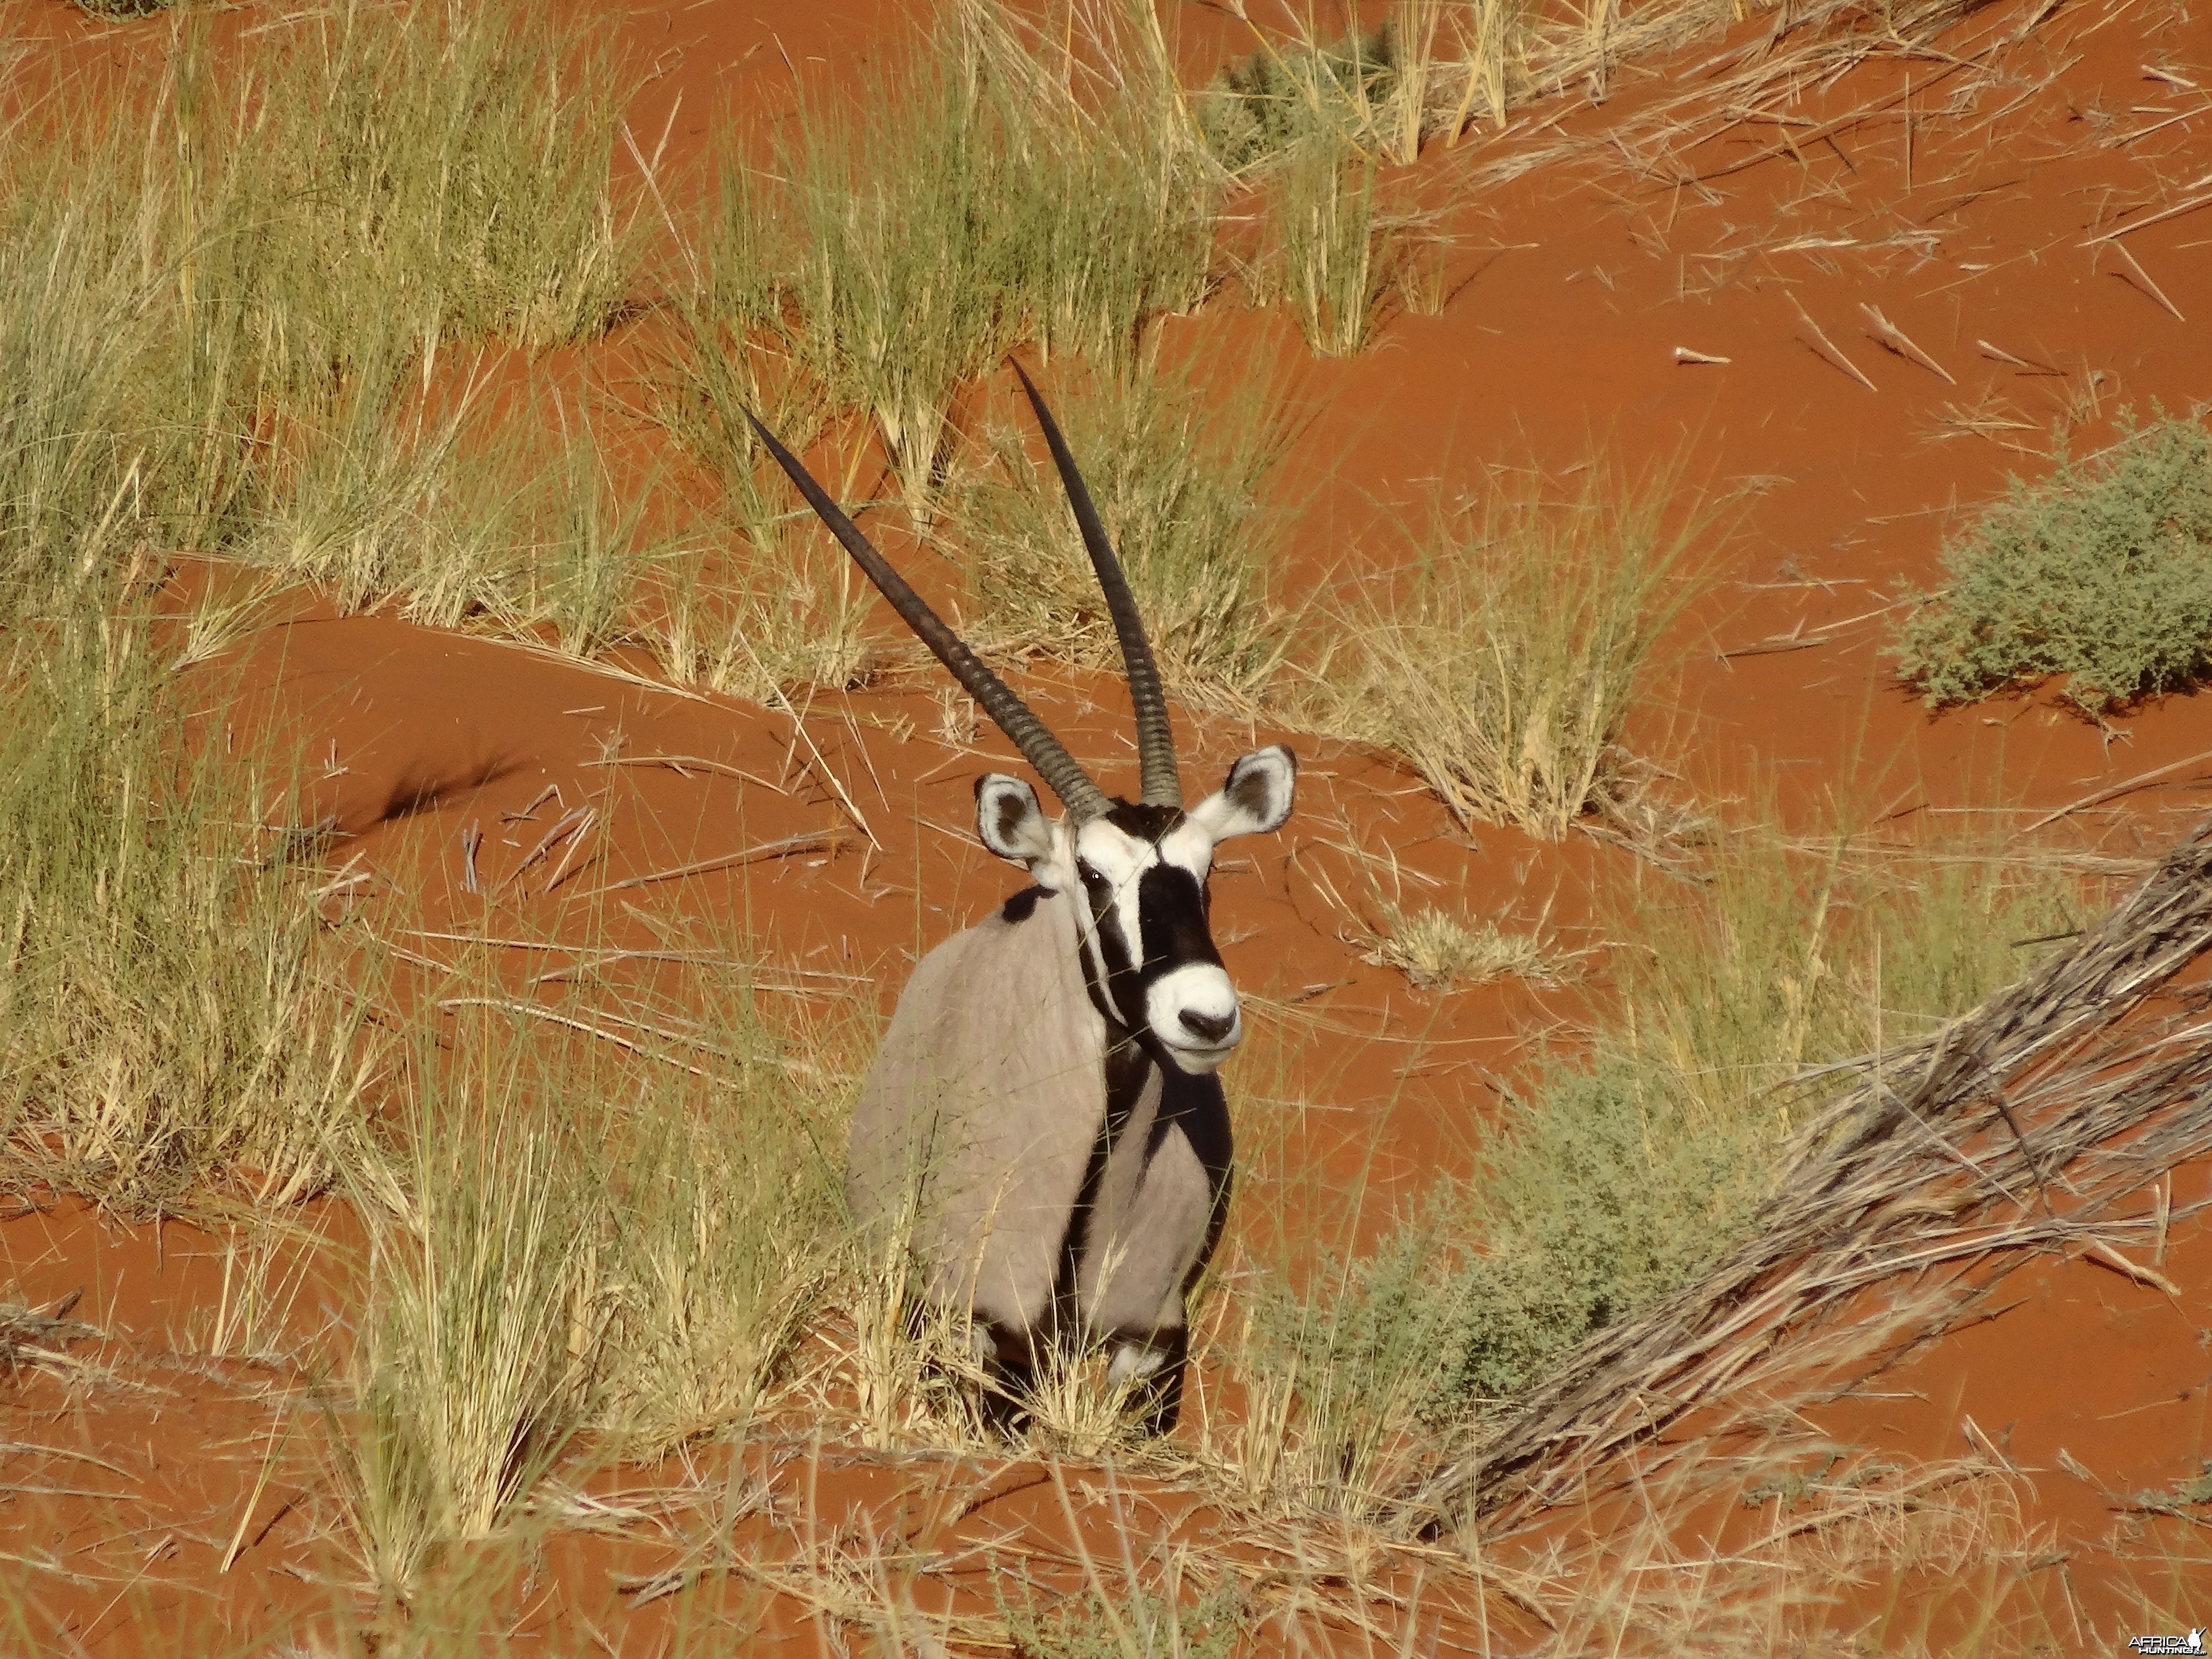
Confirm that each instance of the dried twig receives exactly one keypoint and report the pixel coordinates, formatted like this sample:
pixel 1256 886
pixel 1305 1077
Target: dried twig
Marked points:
pixel 2105 1256
pixel 684 765
pixel 2173 212
pixel 565 826
pixel 1826 349
pixel 812 842
pixel 2105 794
pixel 2141 279
pixel 30 1338
pixel 1901 343
pixel 2003 356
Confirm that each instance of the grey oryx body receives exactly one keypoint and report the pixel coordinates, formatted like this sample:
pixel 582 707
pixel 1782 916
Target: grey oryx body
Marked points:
pixel 1043 1126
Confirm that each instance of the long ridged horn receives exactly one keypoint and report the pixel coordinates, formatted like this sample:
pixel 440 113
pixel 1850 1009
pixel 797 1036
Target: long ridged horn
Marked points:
pixel 1156 754
pixel 1084 800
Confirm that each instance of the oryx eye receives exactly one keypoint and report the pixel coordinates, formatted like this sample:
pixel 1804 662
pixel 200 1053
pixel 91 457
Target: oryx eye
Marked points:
pixel 1100 891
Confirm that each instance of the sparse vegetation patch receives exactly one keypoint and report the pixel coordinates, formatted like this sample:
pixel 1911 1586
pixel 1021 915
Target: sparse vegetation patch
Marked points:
pixel 1616 1179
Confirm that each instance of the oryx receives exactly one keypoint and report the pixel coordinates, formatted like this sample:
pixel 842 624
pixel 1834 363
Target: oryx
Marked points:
pixel 1043 1121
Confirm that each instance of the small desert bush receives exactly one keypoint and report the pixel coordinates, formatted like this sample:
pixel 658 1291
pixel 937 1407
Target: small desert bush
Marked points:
pixel 1179 485
pixel 1310 126
pixel 1377 95
pixel 2102 573
pixel 171 1016
pixel 118 8
pixel 1502 659
pixel 1296 94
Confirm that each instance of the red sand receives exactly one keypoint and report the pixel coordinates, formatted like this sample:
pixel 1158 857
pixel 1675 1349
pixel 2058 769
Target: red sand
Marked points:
pixel 1571 287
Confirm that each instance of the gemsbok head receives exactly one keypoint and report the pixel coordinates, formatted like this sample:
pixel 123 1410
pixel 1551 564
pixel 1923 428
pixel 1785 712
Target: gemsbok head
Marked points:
pixel 1043 1126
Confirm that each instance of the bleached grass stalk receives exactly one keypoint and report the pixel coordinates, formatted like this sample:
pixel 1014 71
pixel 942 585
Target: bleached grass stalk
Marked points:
pixel 1503 660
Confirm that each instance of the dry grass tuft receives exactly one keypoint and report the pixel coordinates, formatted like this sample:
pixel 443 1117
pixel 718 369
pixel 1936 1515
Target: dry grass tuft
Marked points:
pixel 484 1324
pixel 1180 482
pixel 169 1009
pixel 1503 659
pixel 1439 950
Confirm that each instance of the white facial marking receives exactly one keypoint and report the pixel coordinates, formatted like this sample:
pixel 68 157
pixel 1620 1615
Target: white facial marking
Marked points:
pixel 1193 1009
pixel 1187 845
pixel 1118 858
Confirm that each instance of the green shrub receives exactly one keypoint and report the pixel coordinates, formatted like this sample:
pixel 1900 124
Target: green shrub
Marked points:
pixel 1607 1190
pixel 2102 572
pixel 1613 1181
pixel 1255 112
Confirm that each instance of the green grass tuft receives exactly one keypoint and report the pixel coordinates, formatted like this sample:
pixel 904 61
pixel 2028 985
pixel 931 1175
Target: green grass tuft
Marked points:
pixel 969 201
pixel 220 304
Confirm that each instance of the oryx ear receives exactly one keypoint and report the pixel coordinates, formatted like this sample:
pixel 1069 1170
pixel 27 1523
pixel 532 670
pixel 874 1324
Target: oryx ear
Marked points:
pixel 1009 819
pixel 1256 798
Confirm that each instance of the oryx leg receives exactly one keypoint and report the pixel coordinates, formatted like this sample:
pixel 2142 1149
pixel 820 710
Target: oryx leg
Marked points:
pixel 1152 1368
